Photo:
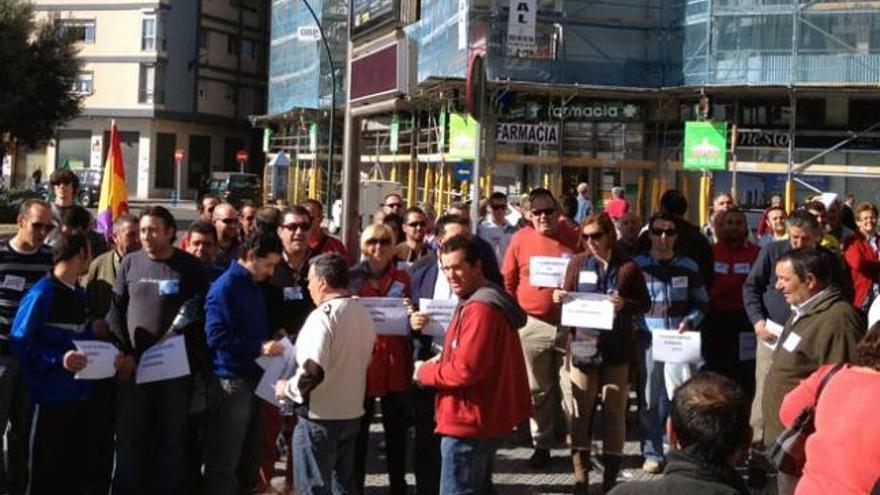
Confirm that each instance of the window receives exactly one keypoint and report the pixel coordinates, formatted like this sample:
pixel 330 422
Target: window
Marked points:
pixel 148 33
pixel 230 95
pixel 80 29
pixel 152 83
pixel 248 48
pixel 232 44
pixel 84 83
pixel 203 92
pixel 203 37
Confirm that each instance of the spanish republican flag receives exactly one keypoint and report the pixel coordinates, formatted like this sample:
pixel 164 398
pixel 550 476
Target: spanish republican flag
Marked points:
pixel 114 193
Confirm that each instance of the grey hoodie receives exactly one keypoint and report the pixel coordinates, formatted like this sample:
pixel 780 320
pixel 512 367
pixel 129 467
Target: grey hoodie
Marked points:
pixel 496 296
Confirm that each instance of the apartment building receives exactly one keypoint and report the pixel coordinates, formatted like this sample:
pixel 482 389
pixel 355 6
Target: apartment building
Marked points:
pixel 182 74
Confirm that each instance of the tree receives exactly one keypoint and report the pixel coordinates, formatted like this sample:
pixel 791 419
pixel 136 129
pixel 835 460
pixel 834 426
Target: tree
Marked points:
pixel 39 61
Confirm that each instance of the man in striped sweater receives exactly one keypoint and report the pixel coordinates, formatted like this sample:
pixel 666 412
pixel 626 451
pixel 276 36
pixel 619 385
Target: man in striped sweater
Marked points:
pixel 679 301
pixel 24 259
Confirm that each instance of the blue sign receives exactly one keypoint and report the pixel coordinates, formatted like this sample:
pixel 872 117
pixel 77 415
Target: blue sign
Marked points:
pixel 463 171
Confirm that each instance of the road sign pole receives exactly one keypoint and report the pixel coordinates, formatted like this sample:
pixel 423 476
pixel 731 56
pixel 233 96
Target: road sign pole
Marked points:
pixel 179 181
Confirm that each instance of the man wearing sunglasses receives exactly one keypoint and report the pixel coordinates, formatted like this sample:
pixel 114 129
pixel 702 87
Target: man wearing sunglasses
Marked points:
pixel 393 203
pixel 542 344
pixel 495 229
pixel 228 226
pixel 415 227
pixel 248 217
pixel 25 259
pixel 64 185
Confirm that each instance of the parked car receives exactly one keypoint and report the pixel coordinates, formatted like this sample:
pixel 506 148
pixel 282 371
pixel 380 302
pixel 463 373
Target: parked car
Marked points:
pixel 89 186
pixel 234 187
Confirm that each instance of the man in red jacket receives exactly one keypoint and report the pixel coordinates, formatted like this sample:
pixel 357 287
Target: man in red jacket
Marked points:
pixel 481 382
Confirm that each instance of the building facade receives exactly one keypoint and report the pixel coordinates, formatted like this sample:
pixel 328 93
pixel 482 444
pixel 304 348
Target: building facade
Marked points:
pixel 174 75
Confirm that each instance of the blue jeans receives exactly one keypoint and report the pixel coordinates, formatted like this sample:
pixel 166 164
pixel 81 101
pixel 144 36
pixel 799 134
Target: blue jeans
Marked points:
pixel 323 453
pixel 654 403
pixel 467 465
pixel 151 427
pixel 233 446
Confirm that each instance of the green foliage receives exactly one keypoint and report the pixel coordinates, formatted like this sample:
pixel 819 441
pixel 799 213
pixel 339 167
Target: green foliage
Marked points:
pixel 39 65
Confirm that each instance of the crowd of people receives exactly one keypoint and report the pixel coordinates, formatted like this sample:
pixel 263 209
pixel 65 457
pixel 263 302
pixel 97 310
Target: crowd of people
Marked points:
pixel 777 311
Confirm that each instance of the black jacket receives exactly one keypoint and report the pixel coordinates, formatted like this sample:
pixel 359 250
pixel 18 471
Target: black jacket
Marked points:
pixel 685 475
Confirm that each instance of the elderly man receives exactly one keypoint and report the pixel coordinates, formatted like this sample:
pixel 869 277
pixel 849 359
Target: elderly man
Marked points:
pixel 228 226
pixel 824 329
pixel 101 277
pixel 617 206
pixel 585 206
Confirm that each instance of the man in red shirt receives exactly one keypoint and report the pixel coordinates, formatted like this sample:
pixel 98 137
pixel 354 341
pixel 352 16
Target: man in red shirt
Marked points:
pixel 543 346
pixel 482 388
pixel 617 206
pixel 321 242
pixel 728 337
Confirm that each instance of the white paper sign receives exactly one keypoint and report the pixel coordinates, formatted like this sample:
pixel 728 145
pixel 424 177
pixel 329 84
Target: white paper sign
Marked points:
pixel 669 346
pixel 748 344
pixel 439 313
pixel 521 22
pixel 163 361
pixel 276 368
pixel 775 329
pixel 388 313
pixel 588 311
pixel 101 357
pixel 547 271
pixel 791 342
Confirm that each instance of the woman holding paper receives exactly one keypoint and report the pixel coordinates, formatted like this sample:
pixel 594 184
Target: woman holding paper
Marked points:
pixel 601 359
pixel 389 376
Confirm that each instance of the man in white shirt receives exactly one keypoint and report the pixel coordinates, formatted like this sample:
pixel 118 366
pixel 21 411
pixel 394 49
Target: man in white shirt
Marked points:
pixel 495 229
pixel 333 350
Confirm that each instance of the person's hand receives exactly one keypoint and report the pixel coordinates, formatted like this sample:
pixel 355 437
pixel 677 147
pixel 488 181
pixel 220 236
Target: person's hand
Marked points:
pixel 617 301
pixel 74 361
pixel 418 320
pixel 124 365
pixel 280 387
pixel 684 326
pixel 762 332
pixel 558 296
pixel 101 329
pixel 273 348
pixel 416 366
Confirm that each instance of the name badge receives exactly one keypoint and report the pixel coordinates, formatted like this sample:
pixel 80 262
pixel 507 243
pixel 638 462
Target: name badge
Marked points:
pixel 721 267
pixel 396 290
pixel 791 342
pixel 169 287
pixel 403 265
pixel 293 293
pixel 13 282
pixel 679 282
pixel 588 277
pixel 742 268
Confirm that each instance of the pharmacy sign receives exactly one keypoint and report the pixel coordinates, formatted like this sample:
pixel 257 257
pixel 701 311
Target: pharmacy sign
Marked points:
pixel 705 145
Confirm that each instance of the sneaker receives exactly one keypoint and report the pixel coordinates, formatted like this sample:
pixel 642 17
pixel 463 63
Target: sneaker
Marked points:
pixel 539 459
pixel 651 466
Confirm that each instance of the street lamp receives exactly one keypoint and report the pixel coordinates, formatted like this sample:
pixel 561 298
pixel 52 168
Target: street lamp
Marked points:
pixel 329 206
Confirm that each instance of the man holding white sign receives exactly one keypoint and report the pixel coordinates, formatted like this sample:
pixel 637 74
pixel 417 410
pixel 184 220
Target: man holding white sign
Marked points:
pixel 66 440
pixel 678 302
pixel 602 293
pixel 531 283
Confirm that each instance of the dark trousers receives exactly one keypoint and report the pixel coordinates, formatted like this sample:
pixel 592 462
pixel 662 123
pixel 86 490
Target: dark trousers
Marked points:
pixel 14 413
pixel 63 448
pixel 396 410
pixel 103 412
pixel 720 336
pixel 426 454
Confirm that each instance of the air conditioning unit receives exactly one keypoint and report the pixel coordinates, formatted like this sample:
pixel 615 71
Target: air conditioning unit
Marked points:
pixel 385 71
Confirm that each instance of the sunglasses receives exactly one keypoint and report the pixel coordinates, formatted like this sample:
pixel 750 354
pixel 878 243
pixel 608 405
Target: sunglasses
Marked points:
pixel 498 207
pixel 392 205
pixel 385 241
pixel 42 226
pixel 229 221
pixel 292 227
pixel 417 224
pixel 62 183
pixel 545 211
pixel 668 232
pixel 592 236
pixel 249 218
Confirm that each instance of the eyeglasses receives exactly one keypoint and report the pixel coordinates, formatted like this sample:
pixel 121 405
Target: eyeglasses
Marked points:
pixel 498 207
pixel 292 227
pixel 249 218
pixel 62 183
pixel 48 227
pixel 392 205
pixel 417 224
pixel 592 236
pixel 385 241
pixel 229 221
pixel 545 211
pixel 668 232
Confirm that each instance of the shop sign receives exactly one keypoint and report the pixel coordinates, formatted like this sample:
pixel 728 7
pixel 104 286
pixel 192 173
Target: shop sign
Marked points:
pixel 762 138
pixel 577 110
pixel 705 145
pixel 517 133
pixel 521 25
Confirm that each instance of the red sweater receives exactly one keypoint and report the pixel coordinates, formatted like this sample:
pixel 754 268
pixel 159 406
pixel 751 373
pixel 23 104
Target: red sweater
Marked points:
pixel 732 266
pixel 616 208
pixel 326 243
pixel 391 367
pixel 481 382
pixel 536 301
pixel 864 267
pixel 843 455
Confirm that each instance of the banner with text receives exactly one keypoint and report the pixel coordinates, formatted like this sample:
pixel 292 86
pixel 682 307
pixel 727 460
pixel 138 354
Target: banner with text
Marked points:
pixel 516 133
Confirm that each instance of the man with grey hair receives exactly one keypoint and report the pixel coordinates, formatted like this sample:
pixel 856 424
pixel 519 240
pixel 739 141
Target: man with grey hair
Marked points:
pixel 585 206
pixel 617 206
pixel 102 272
pixel 333 350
